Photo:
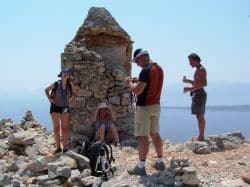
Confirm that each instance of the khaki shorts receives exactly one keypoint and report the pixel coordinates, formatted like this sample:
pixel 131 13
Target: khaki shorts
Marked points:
pixel 147 120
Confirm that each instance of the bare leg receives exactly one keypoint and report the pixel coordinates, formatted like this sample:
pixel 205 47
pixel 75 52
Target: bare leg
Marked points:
pixel 65 129
pixel 156 138
pixel 143 151
pixel 113 133
pixel 56 125
pixel 201 125
pixel 143 147
pixel 109 136
pixel 97 135
pixel 102 132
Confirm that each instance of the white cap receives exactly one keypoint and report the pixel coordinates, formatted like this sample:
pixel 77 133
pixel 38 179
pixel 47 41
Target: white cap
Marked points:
pixel 103 105
pixel 139 52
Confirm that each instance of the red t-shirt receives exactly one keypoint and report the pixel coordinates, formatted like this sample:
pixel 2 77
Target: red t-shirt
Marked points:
pixel 153 75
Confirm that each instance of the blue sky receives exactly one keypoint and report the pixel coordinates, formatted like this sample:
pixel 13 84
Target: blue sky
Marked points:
pixel 34 33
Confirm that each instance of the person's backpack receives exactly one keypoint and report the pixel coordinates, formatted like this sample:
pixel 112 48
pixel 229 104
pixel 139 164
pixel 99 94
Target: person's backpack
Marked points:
pixel 100 156
pixel 53 91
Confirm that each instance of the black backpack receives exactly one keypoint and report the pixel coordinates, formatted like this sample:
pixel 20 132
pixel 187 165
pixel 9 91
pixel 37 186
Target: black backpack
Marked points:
pixel 53 91
pixel 100 156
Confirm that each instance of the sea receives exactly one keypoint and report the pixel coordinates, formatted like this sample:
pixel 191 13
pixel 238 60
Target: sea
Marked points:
pixel 176 123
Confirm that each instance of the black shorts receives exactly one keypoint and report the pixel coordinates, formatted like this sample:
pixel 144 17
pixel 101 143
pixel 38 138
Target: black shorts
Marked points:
pixel 58 109
pixel 199 99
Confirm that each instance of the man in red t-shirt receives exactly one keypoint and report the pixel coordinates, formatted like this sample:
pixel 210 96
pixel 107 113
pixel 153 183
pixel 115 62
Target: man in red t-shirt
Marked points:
pixel 148 91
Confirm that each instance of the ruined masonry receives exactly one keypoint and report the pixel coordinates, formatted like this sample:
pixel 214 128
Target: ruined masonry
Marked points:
pixel 99 56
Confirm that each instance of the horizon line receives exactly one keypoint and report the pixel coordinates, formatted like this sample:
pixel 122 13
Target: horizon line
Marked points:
pixel 245 106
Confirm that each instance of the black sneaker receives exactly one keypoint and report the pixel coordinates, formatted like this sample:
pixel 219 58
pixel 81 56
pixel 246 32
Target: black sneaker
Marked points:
pixel 137 171
pixel 58 150
pixel 65 150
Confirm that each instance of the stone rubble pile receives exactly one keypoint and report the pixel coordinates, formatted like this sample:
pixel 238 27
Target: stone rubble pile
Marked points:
pixel 68 168
pixel 185 173
pixel 221 142
pixel 29 121
pixel 26 158
pixel 180 173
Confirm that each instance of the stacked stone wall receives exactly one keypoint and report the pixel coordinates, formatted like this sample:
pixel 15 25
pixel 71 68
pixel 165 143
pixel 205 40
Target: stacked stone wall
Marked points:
pixel 99 56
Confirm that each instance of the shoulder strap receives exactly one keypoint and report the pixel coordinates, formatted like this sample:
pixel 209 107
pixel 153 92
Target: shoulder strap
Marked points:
pixel 109 155
pixel 56 85
pixel 112 159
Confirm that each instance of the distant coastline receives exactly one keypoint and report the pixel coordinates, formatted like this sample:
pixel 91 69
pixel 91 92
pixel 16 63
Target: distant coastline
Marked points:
pixel 215 107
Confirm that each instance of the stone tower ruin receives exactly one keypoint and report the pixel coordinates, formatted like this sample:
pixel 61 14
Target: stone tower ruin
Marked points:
pixel 99 56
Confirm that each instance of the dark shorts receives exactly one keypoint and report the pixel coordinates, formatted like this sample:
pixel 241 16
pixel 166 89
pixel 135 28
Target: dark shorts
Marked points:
pixel 199 99
pixel 105 123
pixel 58 109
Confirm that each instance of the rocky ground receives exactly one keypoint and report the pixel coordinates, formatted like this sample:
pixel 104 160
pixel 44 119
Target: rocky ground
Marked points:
pixel 26 159
pixel 220 168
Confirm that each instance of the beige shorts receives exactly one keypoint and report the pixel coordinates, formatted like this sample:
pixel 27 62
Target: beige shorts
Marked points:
pixel 147 120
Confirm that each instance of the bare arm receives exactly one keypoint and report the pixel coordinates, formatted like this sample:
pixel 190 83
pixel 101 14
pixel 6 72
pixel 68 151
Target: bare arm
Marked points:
pixel 74 93
pixel 47 91
pixel 94 116
pixel 200 81
pixel 113 117
pixel 138 87
pixel 189 81
pixel 185 80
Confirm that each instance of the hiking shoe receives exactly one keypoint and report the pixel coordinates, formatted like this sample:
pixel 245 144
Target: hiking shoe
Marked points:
pixel 65 150
pixel 246 178
pixel 159 165
pixel 137 171
pixel 58 150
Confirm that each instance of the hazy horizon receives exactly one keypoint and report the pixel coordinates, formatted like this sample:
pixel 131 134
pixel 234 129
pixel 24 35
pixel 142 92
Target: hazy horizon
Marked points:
pixel 16 102
pixel 176 124
pixel 235 105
